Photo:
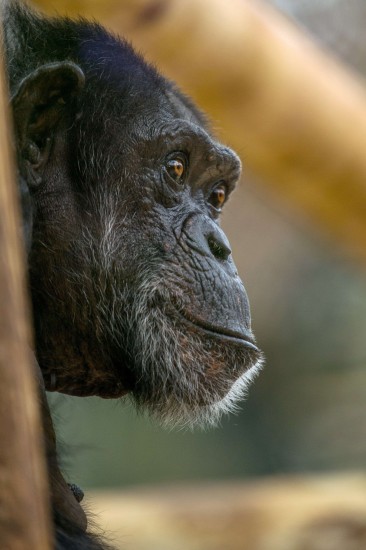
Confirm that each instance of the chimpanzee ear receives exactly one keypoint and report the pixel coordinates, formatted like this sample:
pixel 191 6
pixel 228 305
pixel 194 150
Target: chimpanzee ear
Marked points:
pixel 42 99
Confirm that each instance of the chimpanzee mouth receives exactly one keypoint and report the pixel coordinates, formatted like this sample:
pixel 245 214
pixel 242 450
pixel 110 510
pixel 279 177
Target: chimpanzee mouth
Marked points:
pixel 218 331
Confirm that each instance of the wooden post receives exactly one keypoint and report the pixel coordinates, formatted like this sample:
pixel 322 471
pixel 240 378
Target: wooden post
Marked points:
pixel 24 513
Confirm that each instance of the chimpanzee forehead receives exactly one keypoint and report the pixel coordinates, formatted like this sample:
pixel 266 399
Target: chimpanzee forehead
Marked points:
pixel 112 58
pixel 130 87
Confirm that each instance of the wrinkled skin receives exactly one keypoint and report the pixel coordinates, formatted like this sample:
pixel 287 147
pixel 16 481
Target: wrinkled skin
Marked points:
pixel 141 249
pixel 132 280
pixel 128 231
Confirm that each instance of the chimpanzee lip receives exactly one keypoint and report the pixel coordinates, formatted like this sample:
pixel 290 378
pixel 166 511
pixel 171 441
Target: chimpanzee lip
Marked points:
pixel 218 331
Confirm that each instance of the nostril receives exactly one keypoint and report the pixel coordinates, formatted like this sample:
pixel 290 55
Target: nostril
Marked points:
pixel 218 247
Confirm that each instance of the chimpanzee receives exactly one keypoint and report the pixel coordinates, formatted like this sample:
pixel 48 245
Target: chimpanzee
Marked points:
pixel 133 286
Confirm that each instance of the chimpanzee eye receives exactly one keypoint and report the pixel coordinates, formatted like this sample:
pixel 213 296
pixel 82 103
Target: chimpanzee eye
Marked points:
pixel 218 196
pixel 176 167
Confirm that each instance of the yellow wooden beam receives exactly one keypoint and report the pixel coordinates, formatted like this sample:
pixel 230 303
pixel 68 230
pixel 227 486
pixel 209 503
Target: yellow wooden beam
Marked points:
pixel 297 118
pixel 282 513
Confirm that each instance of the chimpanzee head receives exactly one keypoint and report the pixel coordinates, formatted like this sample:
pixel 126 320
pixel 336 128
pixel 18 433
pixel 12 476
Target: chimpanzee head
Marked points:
pixel 133 284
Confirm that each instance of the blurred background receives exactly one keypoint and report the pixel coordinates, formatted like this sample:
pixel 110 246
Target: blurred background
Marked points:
pixel 306 412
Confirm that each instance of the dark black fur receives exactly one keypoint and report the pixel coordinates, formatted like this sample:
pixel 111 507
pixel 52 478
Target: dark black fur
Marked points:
pixel 133 286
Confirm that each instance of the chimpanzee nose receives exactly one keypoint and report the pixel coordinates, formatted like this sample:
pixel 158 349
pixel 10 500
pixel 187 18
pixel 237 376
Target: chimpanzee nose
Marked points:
pixel 212 239
pixel 205 236
pixel 218 243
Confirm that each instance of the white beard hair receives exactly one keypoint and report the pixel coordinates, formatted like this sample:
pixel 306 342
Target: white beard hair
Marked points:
pixel 174 372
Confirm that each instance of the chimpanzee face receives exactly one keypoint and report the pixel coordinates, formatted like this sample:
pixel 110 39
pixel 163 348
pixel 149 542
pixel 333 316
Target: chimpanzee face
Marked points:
pixel 133 283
